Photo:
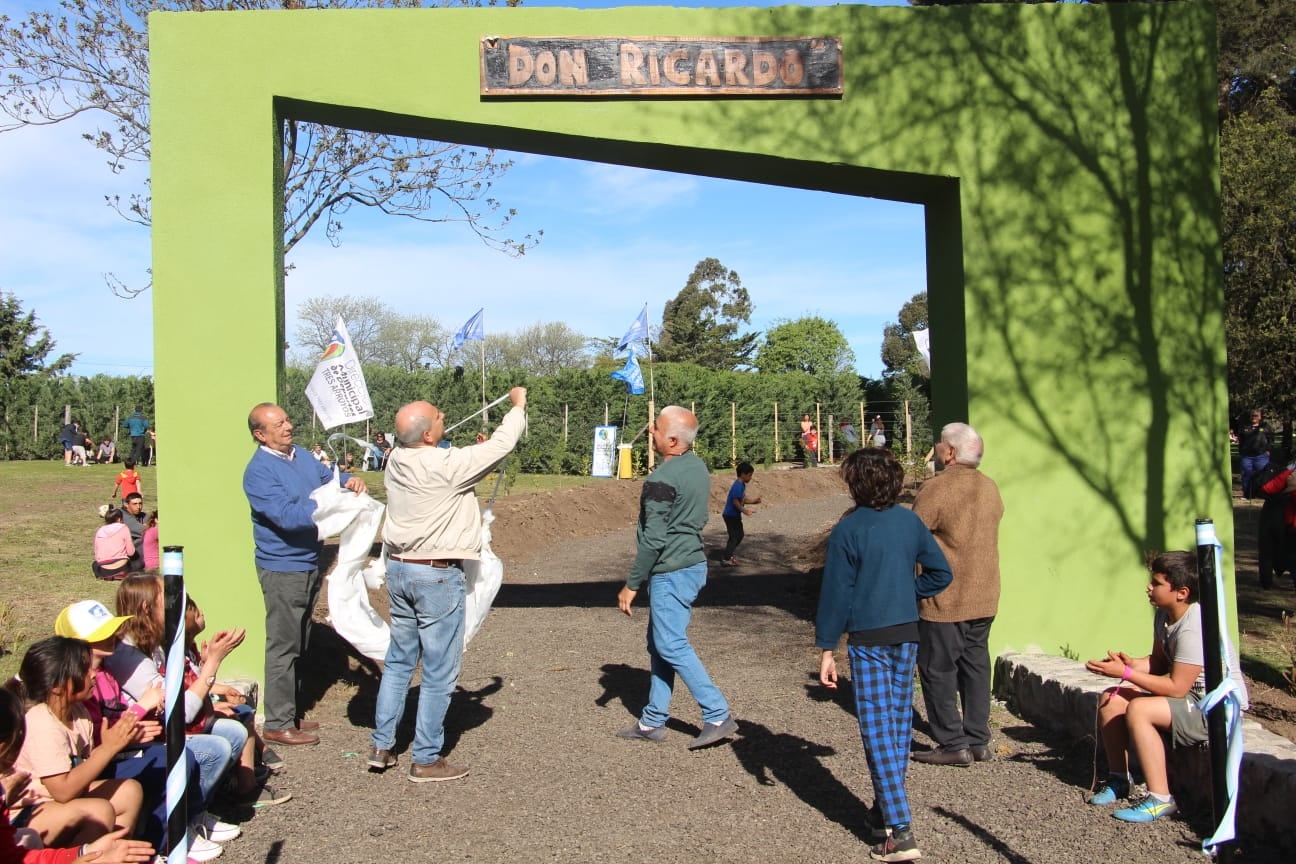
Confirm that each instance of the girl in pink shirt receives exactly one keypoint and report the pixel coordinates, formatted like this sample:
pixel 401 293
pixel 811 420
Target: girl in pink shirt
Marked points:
pixel 152 555
pixel 113 547
pixel 64 800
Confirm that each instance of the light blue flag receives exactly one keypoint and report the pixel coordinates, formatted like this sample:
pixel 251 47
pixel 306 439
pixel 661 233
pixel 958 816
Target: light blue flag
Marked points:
pixel 638 330
pixel 473 329
pixel 632 375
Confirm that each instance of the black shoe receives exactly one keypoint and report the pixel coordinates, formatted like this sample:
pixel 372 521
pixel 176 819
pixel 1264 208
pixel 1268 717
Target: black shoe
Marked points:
pixel 714 733
pixel 961 758
pixel 656 734
pixel 981 752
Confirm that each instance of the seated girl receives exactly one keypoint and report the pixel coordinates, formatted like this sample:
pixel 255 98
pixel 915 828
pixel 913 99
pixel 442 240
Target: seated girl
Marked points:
pixel 111 848
pixel 113 548
pixel 65 801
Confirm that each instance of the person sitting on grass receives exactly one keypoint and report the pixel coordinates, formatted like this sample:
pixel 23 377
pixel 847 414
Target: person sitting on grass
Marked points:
pixel 255 756
pixel 1157 693
pixel 65 800
pixel 112 848
pixel 145 760
pixel 114 550
pixel 138 663
pixel 735 508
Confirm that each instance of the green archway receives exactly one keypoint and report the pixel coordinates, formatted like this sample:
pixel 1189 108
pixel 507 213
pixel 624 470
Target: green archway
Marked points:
pixel 1066 156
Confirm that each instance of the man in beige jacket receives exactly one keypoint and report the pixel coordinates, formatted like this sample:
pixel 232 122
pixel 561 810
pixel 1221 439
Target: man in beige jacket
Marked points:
pixel 963 509
pixel 433 524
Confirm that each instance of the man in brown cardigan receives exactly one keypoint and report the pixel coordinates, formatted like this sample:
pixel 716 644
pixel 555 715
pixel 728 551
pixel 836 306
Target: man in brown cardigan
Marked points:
pixel 962 508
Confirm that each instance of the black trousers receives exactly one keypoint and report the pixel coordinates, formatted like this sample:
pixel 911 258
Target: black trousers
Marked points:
pixel 954 666
pixel 137 449
pixel 733 524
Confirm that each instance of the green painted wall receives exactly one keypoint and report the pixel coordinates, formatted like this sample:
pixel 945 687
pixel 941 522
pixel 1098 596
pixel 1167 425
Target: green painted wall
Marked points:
pixel 1067 156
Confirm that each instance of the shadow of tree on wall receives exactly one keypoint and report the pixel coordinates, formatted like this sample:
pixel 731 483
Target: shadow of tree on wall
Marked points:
pixel 1070 183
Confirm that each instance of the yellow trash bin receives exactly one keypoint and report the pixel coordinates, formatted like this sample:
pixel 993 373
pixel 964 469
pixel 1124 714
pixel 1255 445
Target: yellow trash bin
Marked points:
pixel 624 469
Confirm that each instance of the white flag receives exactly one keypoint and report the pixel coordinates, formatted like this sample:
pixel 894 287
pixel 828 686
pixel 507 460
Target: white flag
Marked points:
pixel 922 338
pixel 337 390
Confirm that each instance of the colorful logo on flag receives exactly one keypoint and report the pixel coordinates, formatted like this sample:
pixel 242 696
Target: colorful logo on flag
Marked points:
pixel 336 347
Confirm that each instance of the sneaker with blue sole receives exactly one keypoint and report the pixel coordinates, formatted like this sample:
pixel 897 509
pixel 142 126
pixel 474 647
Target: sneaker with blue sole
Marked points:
pixel 1147 810
pixel 1111 792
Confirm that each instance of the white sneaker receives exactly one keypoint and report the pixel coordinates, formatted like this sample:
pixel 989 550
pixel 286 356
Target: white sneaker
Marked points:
pixel 202 849
pixel 213 829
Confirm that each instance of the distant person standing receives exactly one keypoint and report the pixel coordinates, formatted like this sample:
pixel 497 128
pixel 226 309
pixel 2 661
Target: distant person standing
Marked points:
pixel 809 441
pixel 137 425
pixel 70 436
pixel 1253 446
pixel 876 428
pixel 671 561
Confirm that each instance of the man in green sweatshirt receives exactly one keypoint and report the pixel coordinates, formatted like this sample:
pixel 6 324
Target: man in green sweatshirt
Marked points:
pixel 671 561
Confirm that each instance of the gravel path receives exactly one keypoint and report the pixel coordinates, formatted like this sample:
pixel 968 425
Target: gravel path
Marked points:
pixel 557 670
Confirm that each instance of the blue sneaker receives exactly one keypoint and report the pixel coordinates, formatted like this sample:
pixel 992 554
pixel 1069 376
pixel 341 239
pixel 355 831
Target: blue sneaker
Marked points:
pixel 1112 791
pixel 1147 810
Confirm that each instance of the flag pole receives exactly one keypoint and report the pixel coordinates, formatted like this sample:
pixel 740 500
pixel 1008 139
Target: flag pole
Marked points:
pixel 485 407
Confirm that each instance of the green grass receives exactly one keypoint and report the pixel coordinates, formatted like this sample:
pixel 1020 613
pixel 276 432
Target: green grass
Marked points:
pixel 50 514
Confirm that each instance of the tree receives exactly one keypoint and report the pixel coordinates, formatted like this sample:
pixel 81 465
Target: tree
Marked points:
pixel 1258 191
pixel 540 349
pixel 91 57
pixel 700 325
pixel 24 347
pixel 899 351
pixel 812 344
pixel 363 316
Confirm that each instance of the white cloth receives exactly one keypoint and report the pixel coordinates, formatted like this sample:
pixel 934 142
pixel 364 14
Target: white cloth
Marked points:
pixel 482 579
pixel 356 518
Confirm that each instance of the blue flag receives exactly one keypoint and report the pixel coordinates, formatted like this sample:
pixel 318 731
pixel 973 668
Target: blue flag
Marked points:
pixel 471 330
pixel 632 375
pixel 638 330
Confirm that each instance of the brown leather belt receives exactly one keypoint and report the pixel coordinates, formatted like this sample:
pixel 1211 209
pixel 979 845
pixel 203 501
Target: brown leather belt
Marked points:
pixel 440 563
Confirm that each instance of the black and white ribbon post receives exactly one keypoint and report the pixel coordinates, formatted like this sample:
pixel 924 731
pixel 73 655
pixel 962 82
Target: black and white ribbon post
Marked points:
pixel 177 767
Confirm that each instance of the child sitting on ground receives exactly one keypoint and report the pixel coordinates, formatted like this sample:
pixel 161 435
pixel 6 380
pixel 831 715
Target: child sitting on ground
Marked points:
pixel 1158 693
pixel 735 508
pixel 111 848
pixel 65 801
pixel 232 703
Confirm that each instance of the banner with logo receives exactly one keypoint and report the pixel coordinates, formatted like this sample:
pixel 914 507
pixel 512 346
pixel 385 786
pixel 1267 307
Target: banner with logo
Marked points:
pixel 604 461
pixel 337 391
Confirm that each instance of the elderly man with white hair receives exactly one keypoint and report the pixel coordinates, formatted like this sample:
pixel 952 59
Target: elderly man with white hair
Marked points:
pixel 963 509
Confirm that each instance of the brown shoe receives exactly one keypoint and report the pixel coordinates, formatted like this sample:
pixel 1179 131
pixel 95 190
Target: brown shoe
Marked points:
pixel 290 737
pixel 381 760
pixel 434 772
pixel 308 725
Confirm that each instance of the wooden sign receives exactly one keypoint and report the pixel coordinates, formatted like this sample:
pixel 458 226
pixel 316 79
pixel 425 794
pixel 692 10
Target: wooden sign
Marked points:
pixel 661 66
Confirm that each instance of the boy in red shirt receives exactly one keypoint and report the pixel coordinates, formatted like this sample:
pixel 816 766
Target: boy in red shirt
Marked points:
pixel 128 481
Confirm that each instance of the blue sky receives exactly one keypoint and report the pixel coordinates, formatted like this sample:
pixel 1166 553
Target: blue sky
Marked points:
pixel 615 238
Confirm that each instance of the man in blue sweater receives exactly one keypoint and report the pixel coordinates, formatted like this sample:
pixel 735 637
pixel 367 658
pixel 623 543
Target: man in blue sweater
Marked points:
pixel 278 482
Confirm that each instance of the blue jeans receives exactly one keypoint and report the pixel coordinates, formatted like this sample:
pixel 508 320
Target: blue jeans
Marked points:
pixel 670 607
pixel 214 757
pixel 1252 465
pixel 427 621
pixel 148 766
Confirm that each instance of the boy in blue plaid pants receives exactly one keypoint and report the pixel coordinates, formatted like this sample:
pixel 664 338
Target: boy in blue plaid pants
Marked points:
pixel 869 591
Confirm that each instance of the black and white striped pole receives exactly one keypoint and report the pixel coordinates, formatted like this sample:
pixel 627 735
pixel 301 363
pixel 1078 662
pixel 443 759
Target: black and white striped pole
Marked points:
pixel 177 767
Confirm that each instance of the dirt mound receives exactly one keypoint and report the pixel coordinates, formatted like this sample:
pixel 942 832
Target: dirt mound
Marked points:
pixel 528 523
